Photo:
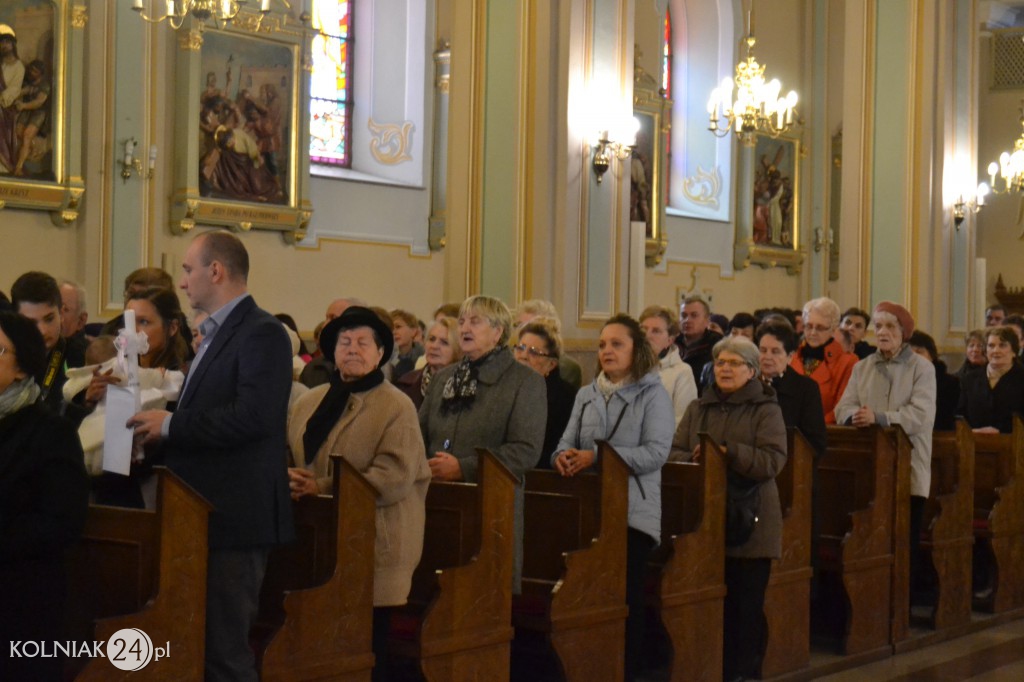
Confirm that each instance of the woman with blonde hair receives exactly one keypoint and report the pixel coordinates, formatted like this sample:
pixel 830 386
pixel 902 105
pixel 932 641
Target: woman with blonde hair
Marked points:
pixel 486 400
pixel 441 348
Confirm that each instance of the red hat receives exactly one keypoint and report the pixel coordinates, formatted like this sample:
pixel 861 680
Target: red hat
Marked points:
pixel 906 320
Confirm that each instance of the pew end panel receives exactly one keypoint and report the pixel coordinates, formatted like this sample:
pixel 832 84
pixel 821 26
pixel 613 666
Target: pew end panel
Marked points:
pixel 948 535
pixel 899 628
pixel 863 460
pixel 787 599
pixel 999 471
pixel 326 633
pixel 585 601
pixel 146 570
pixel 465 629
pixel 688 571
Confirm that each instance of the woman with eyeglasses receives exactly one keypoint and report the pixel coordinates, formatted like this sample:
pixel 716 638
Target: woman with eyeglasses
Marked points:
pixel 742 415
pixel 627 406
pixel 539 347
pixel 820 356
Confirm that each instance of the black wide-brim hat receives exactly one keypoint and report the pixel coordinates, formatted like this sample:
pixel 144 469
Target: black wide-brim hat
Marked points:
pixel 356 316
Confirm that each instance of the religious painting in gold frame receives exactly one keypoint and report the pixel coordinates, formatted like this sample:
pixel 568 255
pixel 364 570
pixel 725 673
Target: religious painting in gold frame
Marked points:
pixel 768 211
pixel 242 158
pixel 648 170
pixel 41 62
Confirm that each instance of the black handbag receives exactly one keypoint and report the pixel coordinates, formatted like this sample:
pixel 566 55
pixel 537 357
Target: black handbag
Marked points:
pixel 742 502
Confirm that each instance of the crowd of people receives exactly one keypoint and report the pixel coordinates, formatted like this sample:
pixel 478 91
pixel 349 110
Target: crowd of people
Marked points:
pixel 257 416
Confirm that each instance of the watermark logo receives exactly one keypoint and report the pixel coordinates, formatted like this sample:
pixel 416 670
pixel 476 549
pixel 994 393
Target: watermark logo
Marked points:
pixel 130 649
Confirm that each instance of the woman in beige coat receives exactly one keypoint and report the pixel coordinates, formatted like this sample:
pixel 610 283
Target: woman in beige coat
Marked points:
pixel 374 426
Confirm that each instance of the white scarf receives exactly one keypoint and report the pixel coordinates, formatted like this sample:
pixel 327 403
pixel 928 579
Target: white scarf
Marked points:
pixel 18 395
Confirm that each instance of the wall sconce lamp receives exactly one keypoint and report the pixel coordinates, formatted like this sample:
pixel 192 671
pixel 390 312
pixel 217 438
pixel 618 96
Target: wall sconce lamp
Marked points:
pixel 822 239
pixel 605 150
pixel 972 203
pixel 130 162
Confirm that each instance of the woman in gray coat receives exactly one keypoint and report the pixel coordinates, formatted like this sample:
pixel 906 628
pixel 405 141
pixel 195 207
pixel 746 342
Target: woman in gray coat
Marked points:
pixel 627 406
pixel 742 415
pixel 486 400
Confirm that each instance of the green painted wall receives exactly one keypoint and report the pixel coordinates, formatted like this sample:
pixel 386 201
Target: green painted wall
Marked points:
pixel 501 101
pixel 890 181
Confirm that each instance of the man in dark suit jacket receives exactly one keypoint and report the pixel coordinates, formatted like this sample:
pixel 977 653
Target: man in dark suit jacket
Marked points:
pixel 227 439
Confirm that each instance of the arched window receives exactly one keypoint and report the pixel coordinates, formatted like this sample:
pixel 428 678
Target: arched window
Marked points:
pixel 330 106
pixel 666 55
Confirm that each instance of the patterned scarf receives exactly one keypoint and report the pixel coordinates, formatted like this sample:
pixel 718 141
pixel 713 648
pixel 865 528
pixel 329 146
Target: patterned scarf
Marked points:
pixel 425 378
pixel 460 389
pixel 813 357
pixel 18 395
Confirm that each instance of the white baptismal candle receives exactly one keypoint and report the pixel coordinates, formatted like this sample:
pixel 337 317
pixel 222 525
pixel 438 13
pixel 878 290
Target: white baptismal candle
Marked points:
pixel 129 321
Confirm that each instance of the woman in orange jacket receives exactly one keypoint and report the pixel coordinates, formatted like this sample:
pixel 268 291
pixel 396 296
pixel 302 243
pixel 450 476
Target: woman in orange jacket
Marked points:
pixel 820 357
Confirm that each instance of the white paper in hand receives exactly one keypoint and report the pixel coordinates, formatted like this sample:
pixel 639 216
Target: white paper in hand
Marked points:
pixel 122 403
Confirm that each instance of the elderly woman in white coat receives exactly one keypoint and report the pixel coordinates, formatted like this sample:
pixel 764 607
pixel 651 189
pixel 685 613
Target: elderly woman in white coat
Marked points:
pixel 895 386
pixel 627 406
pixel 661 329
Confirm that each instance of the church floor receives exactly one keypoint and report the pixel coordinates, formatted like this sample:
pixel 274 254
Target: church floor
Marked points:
pixel 991 655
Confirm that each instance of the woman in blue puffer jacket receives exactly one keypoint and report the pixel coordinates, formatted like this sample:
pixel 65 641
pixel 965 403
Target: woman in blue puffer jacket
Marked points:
pixel 627 406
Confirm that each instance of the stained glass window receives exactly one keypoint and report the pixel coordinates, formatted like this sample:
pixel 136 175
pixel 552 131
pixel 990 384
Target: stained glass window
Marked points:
pixel 666 57
pixel 330 106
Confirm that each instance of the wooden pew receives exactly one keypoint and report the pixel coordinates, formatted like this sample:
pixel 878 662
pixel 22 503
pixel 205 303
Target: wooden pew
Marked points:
pixel 856 491
pixel 688 568
pixel 319 590
pixel 574 567
pixel 787 600
pixel 999 511
pixel 948 536
pixel 899 606
pixel 147 570
pixel 458 624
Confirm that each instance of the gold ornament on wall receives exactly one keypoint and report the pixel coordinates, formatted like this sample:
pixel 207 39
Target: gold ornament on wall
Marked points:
pixel 390 142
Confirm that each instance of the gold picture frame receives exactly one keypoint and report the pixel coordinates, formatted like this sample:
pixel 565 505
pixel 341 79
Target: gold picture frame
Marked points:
pixel 768 205
pixel 41 124
pixel 233 83
pixel 648 176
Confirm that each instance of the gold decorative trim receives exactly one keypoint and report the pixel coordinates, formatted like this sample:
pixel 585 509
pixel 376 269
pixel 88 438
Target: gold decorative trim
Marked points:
pixel 192 40
pixel 390 143
pixel 443 83
pixel 79 16
pixel 704 187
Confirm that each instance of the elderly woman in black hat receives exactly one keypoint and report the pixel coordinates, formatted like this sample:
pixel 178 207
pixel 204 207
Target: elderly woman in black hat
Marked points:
pixel 44 493
pixel 374 426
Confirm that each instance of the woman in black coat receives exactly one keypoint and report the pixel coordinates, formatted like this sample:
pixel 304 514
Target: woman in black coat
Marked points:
pixel 989 399
pixel 798 395
pixel 947 386
pixel 44 494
